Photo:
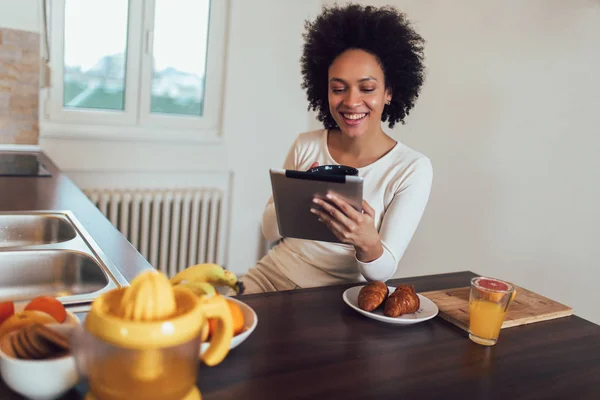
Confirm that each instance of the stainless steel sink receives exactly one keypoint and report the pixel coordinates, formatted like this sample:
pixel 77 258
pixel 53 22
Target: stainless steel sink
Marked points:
pixel 58 273
pixel 51 253
pixel 27 230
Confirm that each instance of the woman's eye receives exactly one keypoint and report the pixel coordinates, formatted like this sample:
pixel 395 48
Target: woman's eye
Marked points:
pixel 337 90
pixel 368 90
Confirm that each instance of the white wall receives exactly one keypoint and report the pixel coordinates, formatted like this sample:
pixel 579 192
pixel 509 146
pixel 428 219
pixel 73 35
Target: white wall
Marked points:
pixel 265 109
pixel 510 118
pixel 21 14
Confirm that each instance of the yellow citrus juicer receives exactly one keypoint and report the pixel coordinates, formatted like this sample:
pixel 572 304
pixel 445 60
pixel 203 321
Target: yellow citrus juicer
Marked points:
pixel 143 341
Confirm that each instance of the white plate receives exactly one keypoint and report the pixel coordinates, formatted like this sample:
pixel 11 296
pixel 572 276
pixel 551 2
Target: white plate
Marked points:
pixel 250 322
pixel 427 309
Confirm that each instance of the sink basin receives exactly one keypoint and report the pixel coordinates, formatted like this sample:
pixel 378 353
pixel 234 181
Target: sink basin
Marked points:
pixel 28 230
pixel 51 253
pixel 58 273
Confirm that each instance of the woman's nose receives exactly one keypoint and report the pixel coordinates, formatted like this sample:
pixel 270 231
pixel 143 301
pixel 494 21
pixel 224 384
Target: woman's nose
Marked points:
pixel 352 98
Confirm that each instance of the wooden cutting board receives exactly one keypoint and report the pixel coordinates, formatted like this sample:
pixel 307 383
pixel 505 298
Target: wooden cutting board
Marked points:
pixel 526 308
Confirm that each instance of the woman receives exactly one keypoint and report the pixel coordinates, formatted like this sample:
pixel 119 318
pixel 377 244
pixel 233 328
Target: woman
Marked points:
pixel 361 66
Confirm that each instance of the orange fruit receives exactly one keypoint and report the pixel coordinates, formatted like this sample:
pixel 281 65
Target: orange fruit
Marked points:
pixel 212 326
pixel 24 318
pixel 236 315
pixel 7 309
pixel 492 285
pixel 49 305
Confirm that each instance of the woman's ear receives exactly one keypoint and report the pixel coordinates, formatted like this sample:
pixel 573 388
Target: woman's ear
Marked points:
pixel 388 97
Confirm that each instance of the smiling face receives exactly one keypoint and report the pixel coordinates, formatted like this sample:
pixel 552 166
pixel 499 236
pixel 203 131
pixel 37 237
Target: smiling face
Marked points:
pixel 357 93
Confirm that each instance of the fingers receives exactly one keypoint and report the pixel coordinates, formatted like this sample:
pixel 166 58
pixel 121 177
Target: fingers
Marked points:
pixel 336 228
pixel 368 209
pixel 313 165
pixel 338 215
pixel 346 208
pixel 340 212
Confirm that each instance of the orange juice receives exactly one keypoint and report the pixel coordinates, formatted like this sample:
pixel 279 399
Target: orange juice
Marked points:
pixel 485 321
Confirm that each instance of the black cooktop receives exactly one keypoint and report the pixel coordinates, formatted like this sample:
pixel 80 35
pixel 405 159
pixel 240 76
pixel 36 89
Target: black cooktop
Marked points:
pixel 12 164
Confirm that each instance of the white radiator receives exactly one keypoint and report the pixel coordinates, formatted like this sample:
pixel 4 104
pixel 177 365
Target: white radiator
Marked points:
pixel 171 228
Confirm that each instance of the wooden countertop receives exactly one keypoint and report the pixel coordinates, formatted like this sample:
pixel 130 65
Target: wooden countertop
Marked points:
pixel 57 193
pixel 310 345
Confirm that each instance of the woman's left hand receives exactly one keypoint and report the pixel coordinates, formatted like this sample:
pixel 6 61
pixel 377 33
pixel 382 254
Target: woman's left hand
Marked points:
pixel 351 226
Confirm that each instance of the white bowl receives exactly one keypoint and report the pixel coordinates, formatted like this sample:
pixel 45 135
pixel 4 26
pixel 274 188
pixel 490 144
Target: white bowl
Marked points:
pixel 71 318
pixel 250 322
pixel 41 379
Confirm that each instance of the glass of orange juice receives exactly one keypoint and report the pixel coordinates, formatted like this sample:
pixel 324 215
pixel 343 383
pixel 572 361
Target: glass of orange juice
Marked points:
pixel 488 302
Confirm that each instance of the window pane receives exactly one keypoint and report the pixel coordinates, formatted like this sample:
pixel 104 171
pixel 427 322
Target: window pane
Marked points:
pixel 179 50
pixel 95 54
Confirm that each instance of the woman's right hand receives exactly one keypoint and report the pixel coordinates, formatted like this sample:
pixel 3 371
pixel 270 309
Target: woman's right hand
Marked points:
pixel 313 165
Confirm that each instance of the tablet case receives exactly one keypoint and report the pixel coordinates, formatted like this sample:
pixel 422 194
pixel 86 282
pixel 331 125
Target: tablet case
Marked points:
pixel 293 192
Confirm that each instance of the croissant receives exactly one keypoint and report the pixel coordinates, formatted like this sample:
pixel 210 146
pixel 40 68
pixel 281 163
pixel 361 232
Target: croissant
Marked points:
pixel 403 300
pixel 372 295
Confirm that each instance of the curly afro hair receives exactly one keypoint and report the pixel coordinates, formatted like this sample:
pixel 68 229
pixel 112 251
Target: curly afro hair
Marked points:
pixel 383 32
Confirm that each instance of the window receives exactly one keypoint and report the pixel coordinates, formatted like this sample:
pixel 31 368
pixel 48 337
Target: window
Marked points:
pixel 137 68
pixel 94 57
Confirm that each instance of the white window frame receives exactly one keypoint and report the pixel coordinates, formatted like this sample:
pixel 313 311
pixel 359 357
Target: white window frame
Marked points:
pixel 136 121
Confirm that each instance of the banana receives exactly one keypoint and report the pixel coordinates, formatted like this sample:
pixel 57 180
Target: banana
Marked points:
pixel 200 273
pixel 214 274
pixel 199 288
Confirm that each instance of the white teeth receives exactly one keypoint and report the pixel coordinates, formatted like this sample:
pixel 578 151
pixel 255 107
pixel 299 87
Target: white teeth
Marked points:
pixel 354 116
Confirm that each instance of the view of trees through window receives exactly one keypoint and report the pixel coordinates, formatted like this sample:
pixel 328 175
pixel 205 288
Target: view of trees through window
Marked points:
pixel 95 65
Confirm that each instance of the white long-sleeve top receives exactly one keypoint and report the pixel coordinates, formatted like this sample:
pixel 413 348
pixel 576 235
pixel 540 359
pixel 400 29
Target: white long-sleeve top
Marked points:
pixel 396 186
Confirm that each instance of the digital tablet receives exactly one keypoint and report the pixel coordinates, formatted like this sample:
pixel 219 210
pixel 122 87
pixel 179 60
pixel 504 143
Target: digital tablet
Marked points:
pixel 293 192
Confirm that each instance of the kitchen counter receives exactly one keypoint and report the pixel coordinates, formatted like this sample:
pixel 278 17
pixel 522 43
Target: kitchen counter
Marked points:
pixel 57 193
pixel 309 344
